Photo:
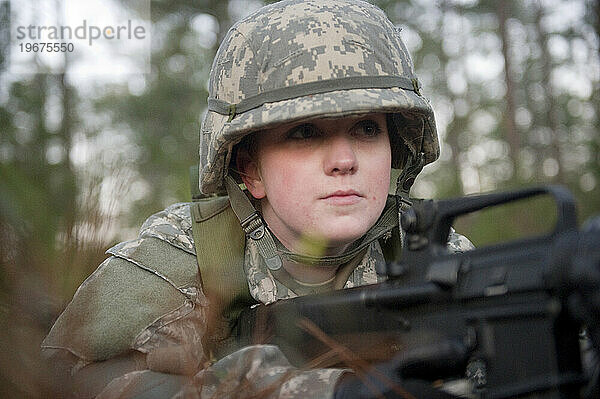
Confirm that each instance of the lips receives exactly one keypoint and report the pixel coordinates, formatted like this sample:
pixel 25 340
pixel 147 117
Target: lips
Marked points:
pixel 343 197
pixel 342 193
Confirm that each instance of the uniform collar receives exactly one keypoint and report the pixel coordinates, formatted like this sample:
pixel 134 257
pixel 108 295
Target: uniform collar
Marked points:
pixel 267 286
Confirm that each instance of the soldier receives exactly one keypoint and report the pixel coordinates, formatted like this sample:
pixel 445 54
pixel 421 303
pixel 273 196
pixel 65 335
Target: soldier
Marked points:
pixel 312 103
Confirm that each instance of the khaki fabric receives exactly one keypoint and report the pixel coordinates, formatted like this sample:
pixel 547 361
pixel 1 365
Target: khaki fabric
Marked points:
pixel 145 311
pixel 99 324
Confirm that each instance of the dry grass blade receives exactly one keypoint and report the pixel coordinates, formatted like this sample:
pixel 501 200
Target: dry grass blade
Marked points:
pixel 362 368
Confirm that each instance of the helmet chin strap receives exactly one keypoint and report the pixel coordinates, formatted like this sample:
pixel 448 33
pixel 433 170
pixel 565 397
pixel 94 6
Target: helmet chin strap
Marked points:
pixel 273 252
pixel 406 178
pixel 253 224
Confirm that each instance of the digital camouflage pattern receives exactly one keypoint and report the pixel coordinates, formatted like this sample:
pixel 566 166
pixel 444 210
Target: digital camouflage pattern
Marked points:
pixel 291 43
pixel 260 371
pixel 172 343
pixel 265 288
pixel 152 338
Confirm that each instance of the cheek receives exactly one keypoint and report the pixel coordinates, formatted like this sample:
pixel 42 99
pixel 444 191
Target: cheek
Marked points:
pixel 381 179
pixel 379 171
pixel 285 180
pixel 287 196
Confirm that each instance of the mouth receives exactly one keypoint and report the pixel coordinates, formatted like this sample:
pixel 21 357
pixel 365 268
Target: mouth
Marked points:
pixel 343 197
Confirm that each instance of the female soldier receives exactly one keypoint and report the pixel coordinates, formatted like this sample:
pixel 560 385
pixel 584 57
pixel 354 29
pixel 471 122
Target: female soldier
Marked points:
pixel 311 105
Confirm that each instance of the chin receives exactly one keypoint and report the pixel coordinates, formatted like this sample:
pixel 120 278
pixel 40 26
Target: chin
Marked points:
pixel 343 236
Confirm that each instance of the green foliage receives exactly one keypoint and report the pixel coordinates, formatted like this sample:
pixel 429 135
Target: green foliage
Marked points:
pixel 165 118
pixel 515 221
pixel 58 215
pixel 457 47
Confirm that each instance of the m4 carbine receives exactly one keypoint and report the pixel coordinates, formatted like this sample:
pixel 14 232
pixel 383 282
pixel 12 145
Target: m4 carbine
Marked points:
pixel 511 319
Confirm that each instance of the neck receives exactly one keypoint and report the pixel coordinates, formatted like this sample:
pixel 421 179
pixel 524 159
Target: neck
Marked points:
pixel 308 273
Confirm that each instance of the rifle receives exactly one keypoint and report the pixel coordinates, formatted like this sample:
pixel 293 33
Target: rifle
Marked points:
pixel 508 319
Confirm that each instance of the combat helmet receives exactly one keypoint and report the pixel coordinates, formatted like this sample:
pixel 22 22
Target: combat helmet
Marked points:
pixel 302 59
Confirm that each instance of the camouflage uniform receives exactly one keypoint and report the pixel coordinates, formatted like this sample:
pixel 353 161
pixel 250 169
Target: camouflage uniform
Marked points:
pixel 172 342
pixel 136 325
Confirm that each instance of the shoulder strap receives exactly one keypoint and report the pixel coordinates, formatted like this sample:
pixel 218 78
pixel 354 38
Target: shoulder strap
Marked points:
pixel 220 243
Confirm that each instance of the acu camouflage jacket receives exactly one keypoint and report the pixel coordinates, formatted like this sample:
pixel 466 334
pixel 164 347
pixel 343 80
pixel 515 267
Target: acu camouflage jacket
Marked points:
pixel 135 326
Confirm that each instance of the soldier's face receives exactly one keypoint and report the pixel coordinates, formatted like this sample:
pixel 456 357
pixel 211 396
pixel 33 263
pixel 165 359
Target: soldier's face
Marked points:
pixel 325 180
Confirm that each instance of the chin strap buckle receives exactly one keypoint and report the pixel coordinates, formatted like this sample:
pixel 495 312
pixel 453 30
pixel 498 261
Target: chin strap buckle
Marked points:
pixel 253 226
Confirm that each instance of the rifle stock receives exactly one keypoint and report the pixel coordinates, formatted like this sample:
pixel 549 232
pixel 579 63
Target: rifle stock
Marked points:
pixel 505 310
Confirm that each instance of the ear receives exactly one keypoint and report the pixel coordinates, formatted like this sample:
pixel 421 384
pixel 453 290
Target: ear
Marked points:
pixel 249 172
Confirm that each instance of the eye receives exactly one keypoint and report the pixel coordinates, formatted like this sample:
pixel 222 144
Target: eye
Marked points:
pixel 303 132
pixel 367 128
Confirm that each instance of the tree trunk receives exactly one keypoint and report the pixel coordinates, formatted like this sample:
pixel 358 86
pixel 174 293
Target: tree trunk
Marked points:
pixel 511 133
pixel 550 106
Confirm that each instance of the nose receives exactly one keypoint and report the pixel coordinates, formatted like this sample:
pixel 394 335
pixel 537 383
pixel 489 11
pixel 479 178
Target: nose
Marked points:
pixel 340 157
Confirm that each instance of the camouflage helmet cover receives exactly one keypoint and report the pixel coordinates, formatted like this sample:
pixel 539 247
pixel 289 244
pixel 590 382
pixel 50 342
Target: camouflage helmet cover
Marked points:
pixel 297 60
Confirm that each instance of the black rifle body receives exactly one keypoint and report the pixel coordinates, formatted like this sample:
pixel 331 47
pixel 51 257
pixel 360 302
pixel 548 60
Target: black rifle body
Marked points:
pixel 507 305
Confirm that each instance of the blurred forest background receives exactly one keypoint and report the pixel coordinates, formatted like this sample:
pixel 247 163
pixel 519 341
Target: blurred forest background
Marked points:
pixel 82 163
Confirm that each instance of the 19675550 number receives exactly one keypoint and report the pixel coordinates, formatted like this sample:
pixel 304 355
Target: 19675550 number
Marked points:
pixel 47 47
